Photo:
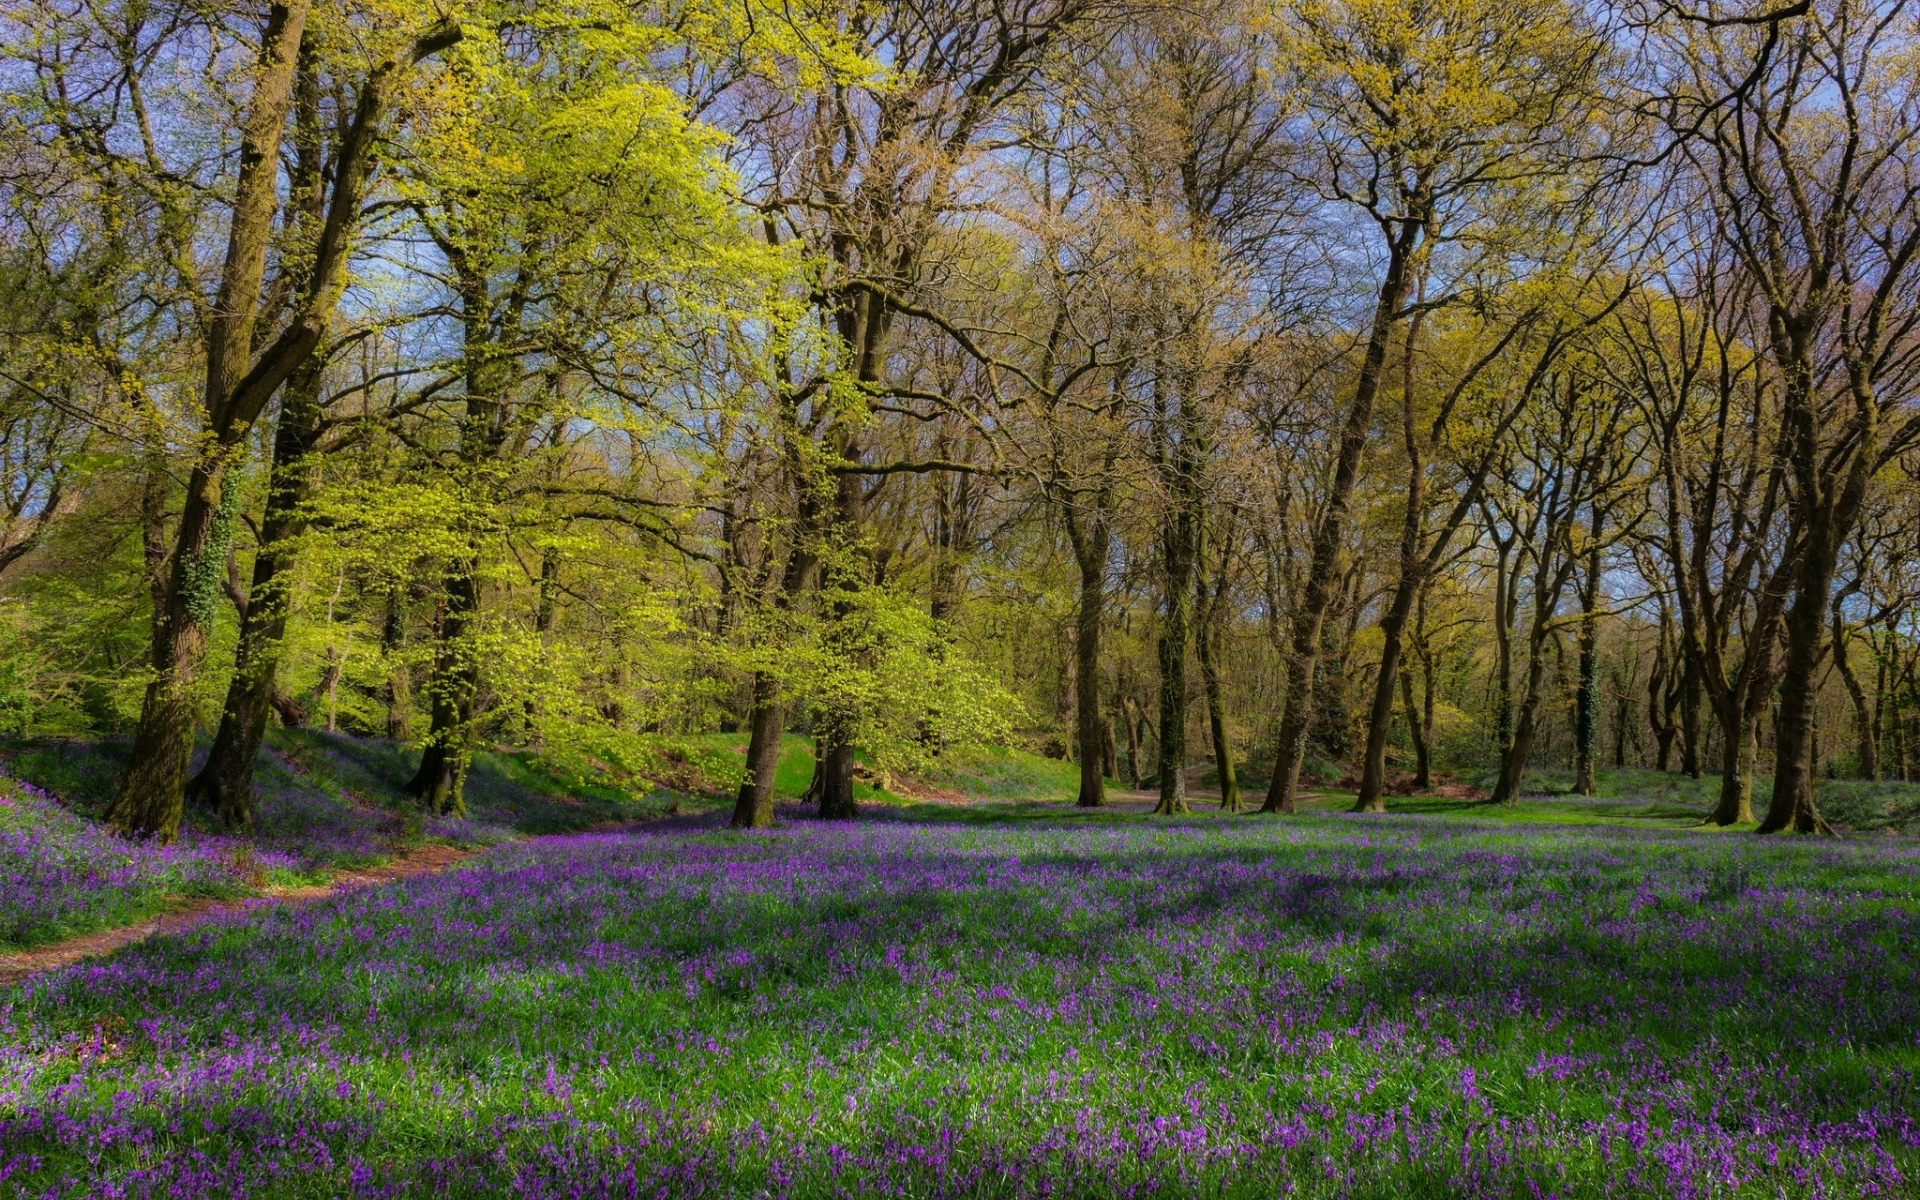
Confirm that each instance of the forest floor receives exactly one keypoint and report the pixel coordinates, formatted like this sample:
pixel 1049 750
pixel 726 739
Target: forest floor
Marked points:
pixel 1011 997
pixel 331 812
pixel 188 913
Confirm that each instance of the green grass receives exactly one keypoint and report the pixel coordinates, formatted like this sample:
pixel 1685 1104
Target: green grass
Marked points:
pixel 991 773
pixel 515 789
pixel 1637 798
pixel 1003 773
pixel 1017 997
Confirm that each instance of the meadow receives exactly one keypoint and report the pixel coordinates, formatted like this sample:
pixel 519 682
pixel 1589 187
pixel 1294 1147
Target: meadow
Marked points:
pixel 1015 999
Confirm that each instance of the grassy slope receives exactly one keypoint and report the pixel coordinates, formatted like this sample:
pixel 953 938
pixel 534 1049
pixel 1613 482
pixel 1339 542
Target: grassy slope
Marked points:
pixel 995 773
pixel 331 801
pixel 325 801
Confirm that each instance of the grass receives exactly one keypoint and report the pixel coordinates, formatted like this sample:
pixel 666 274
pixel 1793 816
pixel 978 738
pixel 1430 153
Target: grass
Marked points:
pixel 1570 996
pixel 1652 799
pixel 329 801
pixel 1103 1005
pixel 323 802
pixel 989 774
pixel 61 875
pixel 1532 809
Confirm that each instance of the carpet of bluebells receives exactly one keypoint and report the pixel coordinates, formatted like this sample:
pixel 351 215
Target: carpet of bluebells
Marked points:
pixel 61 873
pixel 1315 1006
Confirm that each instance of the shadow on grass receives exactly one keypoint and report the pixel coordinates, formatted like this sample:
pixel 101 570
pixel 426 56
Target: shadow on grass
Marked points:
pixel 309 780
pixel 1644 966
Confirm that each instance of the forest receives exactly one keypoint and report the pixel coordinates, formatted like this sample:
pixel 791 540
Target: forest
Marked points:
pixel 992 598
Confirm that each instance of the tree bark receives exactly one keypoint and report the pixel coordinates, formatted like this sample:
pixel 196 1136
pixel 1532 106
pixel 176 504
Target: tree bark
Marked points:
pixel 1586 718
pixel 1793 806
pixel 1330 531
pixel 1736 772
pixel 1133 745
pixel 153 790
pixel 753 806
pixel 1224 766
pixel 1423 771
pixel 766 718
pixel 1513 763
pixel 1869 765
pixel 1660 701
pixel 1622 724
pixel 1371 796
pixel 1690 741
pixel 1208 646
pixel 1178 554
pixel 1503 614
pixel 1086 682
pixel 1549 582
pixel 1092 541
pixel 225 781
pixel 834 777
pixel 1824 505
pixel 1209 605
pixel 154 787
pixel 438 783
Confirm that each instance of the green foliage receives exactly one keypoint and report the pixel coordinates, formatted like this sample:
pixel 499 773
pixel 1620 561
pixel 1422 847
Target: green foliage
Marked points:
pixel 888 676
pixel 204 572
pixel 1004 773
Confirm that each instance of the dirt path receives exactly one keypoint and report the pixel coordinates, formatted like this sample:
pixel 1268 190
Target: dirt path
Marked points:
pixel 191 914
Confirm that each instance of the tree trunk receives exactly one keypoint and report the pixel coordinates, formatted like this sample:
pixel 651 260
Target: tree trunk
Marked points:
pixel 1513 764
pixel 1090 549
pixel 1869 766
pixel 225 781
pixel 1373 771
pixel 393 634
pixel 1178 553
pixel 1659 701
pixel 1622 721
pixel 1586 717
pixel 545 606
pixel 1736 772
pixel 153 526
pixel 1209 597
pixel 753 807
pixel 1330 532
pixel 1690 740
pixel 1793 806
pixel 834 775
pixel 1209 650
pixel 1503 649
pixel 1422 776
pixel 766 718
pixel 1373 766
pixel 438 784
pixel 1133 746
pixel 1173 716
pixel 154 787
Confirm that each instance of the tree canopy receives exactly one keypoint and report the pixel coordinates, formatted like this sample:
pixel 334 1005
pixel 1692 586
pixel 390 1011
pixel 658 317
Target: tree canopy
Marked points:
pixel 1294 389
